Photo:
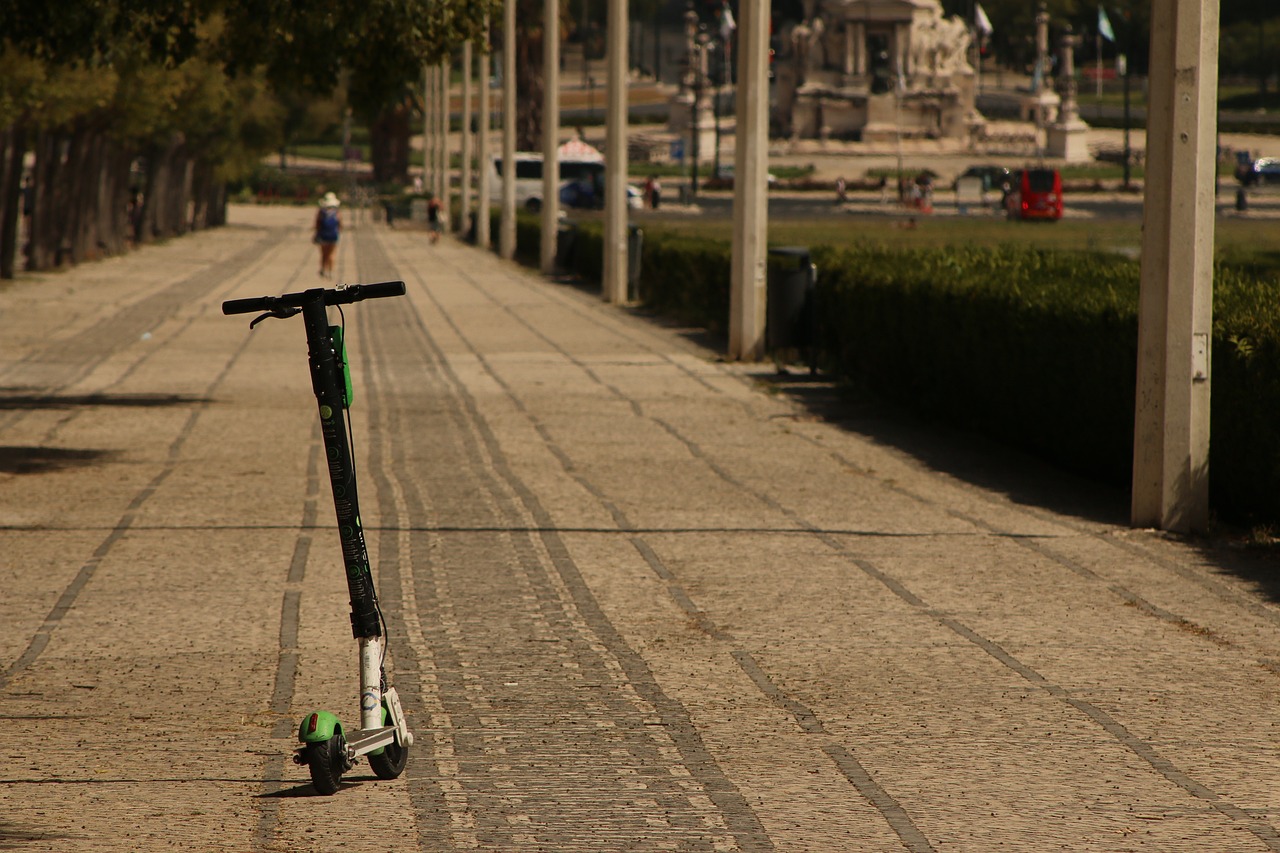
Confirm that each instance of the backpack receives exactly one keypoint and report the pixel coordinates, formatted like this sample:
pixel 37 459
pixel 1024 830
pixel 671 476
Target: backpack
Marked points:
pixel 327 228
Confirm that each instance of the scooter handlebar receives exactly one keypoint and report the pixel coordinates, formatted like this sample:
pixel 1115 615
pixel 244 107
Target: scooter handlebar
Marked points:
pixel 331 296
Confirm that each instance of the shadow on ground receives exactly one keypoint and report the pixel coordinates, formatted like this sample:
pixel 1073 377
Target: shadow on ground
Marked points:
pixel 1240 553
pixel 42 460
pixel 15 399
pixel 965 456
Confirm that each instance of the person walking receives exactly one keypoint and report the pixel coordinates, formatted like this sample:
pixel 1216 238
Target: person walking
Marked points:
pixel 433 219
pixel 328 225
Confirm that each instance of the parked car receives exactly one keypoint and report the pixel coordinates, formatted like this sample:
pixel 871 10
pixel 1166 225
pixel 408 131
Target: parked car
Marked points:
pixel 581 183
pixel 588 195
pixel 993 177
pixel 1261 173
pixel 1035 194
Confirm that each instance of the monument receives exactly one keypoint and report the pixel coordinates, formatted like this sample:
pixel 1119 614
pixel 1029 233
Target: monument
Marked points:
pixel 690 115
pixel 1067 136
pixel 875 71
pixel 1039 101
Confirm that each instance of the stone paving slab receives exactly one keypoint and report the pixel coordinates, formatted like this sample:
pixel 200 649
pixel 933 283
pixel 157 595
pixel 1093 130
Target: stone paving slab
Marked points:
pixel 637 598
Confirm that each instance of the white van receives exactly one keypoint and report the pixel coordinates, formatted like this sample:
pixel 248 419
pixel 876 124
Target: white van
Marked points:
pixel 581 182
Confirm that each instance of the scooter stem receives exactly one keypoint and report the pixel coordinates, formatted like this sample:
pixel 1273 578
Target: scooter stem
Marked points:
pixel 326 381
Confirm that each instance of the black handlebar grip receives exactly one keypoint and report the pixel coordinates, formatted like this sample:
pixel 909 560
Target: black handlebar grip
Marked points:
pixel 246 306
pixel 379 290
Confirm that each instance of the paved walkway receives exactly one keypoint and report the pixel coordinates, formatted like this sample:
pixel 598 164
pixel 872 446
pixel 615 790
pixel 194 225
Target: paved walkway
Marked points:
pixel 638 599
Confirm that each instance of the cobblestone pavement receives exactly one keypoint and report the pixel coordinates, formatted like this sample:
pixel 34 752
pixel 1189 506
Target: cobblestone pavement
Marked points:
pixel 638 599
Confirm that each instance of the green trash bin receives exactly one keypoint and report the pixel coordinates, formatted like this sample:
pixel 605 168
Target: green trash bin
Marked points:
pixel 790 316
pixel 566 237
pixel 635 244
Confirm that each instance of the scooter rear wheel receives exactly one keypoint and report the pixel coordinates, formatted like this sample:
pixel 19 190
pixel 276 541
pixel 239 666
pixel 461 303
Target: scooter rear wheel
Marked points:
pixel 327 761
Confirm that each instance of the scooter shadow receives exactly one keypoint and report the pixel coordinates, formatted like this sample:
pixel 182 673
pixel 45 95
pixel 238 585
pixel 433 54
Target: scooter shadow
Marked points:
pixel 306 789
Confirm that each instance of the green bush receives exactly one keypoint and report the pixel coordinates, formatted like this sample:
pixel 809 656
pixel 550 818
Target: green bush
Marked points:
pixel 1035 348
pixel 1039 349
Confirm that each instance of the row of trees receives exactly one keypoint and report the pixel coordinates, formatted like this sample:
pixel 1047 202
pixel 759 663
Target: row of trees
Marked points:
pixel 123 120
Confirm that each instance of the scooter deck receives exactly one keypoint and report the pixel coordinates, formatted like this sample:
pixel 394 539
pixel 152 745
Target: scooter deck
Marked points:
pixel 370 739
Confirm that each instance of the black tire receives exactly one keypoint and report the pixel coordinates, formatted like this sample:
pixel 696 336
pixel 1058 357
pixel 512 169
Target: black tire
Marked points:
pixel 327 761
pixel 391 762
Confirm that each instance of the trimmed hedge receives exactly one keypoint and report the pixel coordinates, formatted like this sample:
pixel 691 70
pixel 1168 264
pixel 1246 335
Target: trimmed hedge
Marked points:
pixel 1039 350
pixel 1035 348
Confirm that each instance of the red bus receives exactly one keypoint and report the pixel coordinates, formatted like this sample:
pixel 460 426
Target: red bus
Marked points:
pixel 1035 194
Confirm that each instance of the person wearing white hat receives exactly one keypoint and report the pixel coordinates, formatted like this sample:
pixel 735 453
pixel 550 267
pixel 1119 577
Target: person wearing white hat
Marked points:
pixel 328 226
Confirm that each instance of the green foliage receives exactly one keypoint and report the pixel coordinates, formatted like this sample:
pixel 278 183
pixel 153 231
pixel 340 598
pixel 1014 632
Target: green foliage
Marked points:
pixel 92 32
pixel 383 44
pixel 1039 349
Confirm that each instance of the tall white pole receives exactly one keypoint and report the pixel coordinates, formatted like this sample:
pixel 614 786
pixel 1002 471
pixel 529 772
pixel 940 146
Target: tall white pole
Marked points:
pixel 615 197
pixel 482 144
pixel 550 133
pixel 464 171
pixel 748 281
pixel 437 142
pixel 507 235
pixel 446 189
pixel 428 140
pixel 1175 305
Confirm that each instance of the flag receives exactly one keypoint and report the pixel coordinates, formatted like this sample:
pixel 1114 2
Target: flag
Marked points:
pixel 981 21
pixel 727 24
pixel 1104 26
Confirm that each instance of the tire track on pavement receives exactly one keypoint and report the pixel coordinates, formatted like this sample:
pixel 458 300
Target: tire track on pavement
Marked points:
pixel 599 718
pixel 1042 544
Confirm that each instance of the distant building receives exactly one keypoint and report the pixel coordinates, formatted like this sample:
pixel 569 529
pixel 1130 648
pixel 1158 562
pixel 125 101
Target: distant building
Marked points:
pixel 870 70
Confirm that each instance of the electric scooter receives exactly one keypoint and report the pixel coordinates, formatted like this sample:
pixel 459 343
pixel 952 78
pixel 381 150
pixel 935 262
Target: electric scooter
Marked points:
pixel 325 746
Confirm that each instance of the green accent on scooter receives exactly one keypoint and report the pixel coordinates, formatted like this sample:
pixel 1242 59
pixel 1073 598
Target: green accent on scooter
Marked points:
pixel 340 347
pixel 318 727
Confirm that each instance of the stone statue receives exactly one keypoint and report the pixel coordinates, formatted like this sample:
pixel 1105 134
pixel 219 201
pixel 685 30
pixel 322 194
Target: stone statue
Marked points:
pixel 953 46
pixel 924 44
pixel 806 47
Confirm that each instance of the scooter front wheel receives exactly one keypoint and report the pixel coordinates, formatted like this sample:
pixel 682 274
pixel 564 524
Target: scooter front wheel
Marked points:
pixel 327 760
pixel 390 761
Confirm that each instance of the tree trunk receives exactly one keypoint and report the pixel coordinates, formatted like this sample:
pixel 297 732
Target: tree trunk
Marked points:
pixel 80 212
pixel 113 198
pixel 13 145
pixel 168 189
pixel 529 82
pixel 45 246
pixel 209 195
pixel 389 145
pixel 216 214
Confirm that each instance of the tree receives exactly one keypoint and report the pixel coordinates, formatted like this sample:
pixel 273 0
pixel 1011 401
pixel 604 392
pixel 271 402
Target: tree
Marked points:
pixel 62 102
pixel 381 44
pixel 181 88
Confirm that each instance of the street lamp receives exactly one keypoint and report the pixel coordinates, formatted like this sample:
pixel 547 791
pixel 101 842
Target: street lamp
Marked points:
pixel 1123 62
pixel 699 59
pixel 721 49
